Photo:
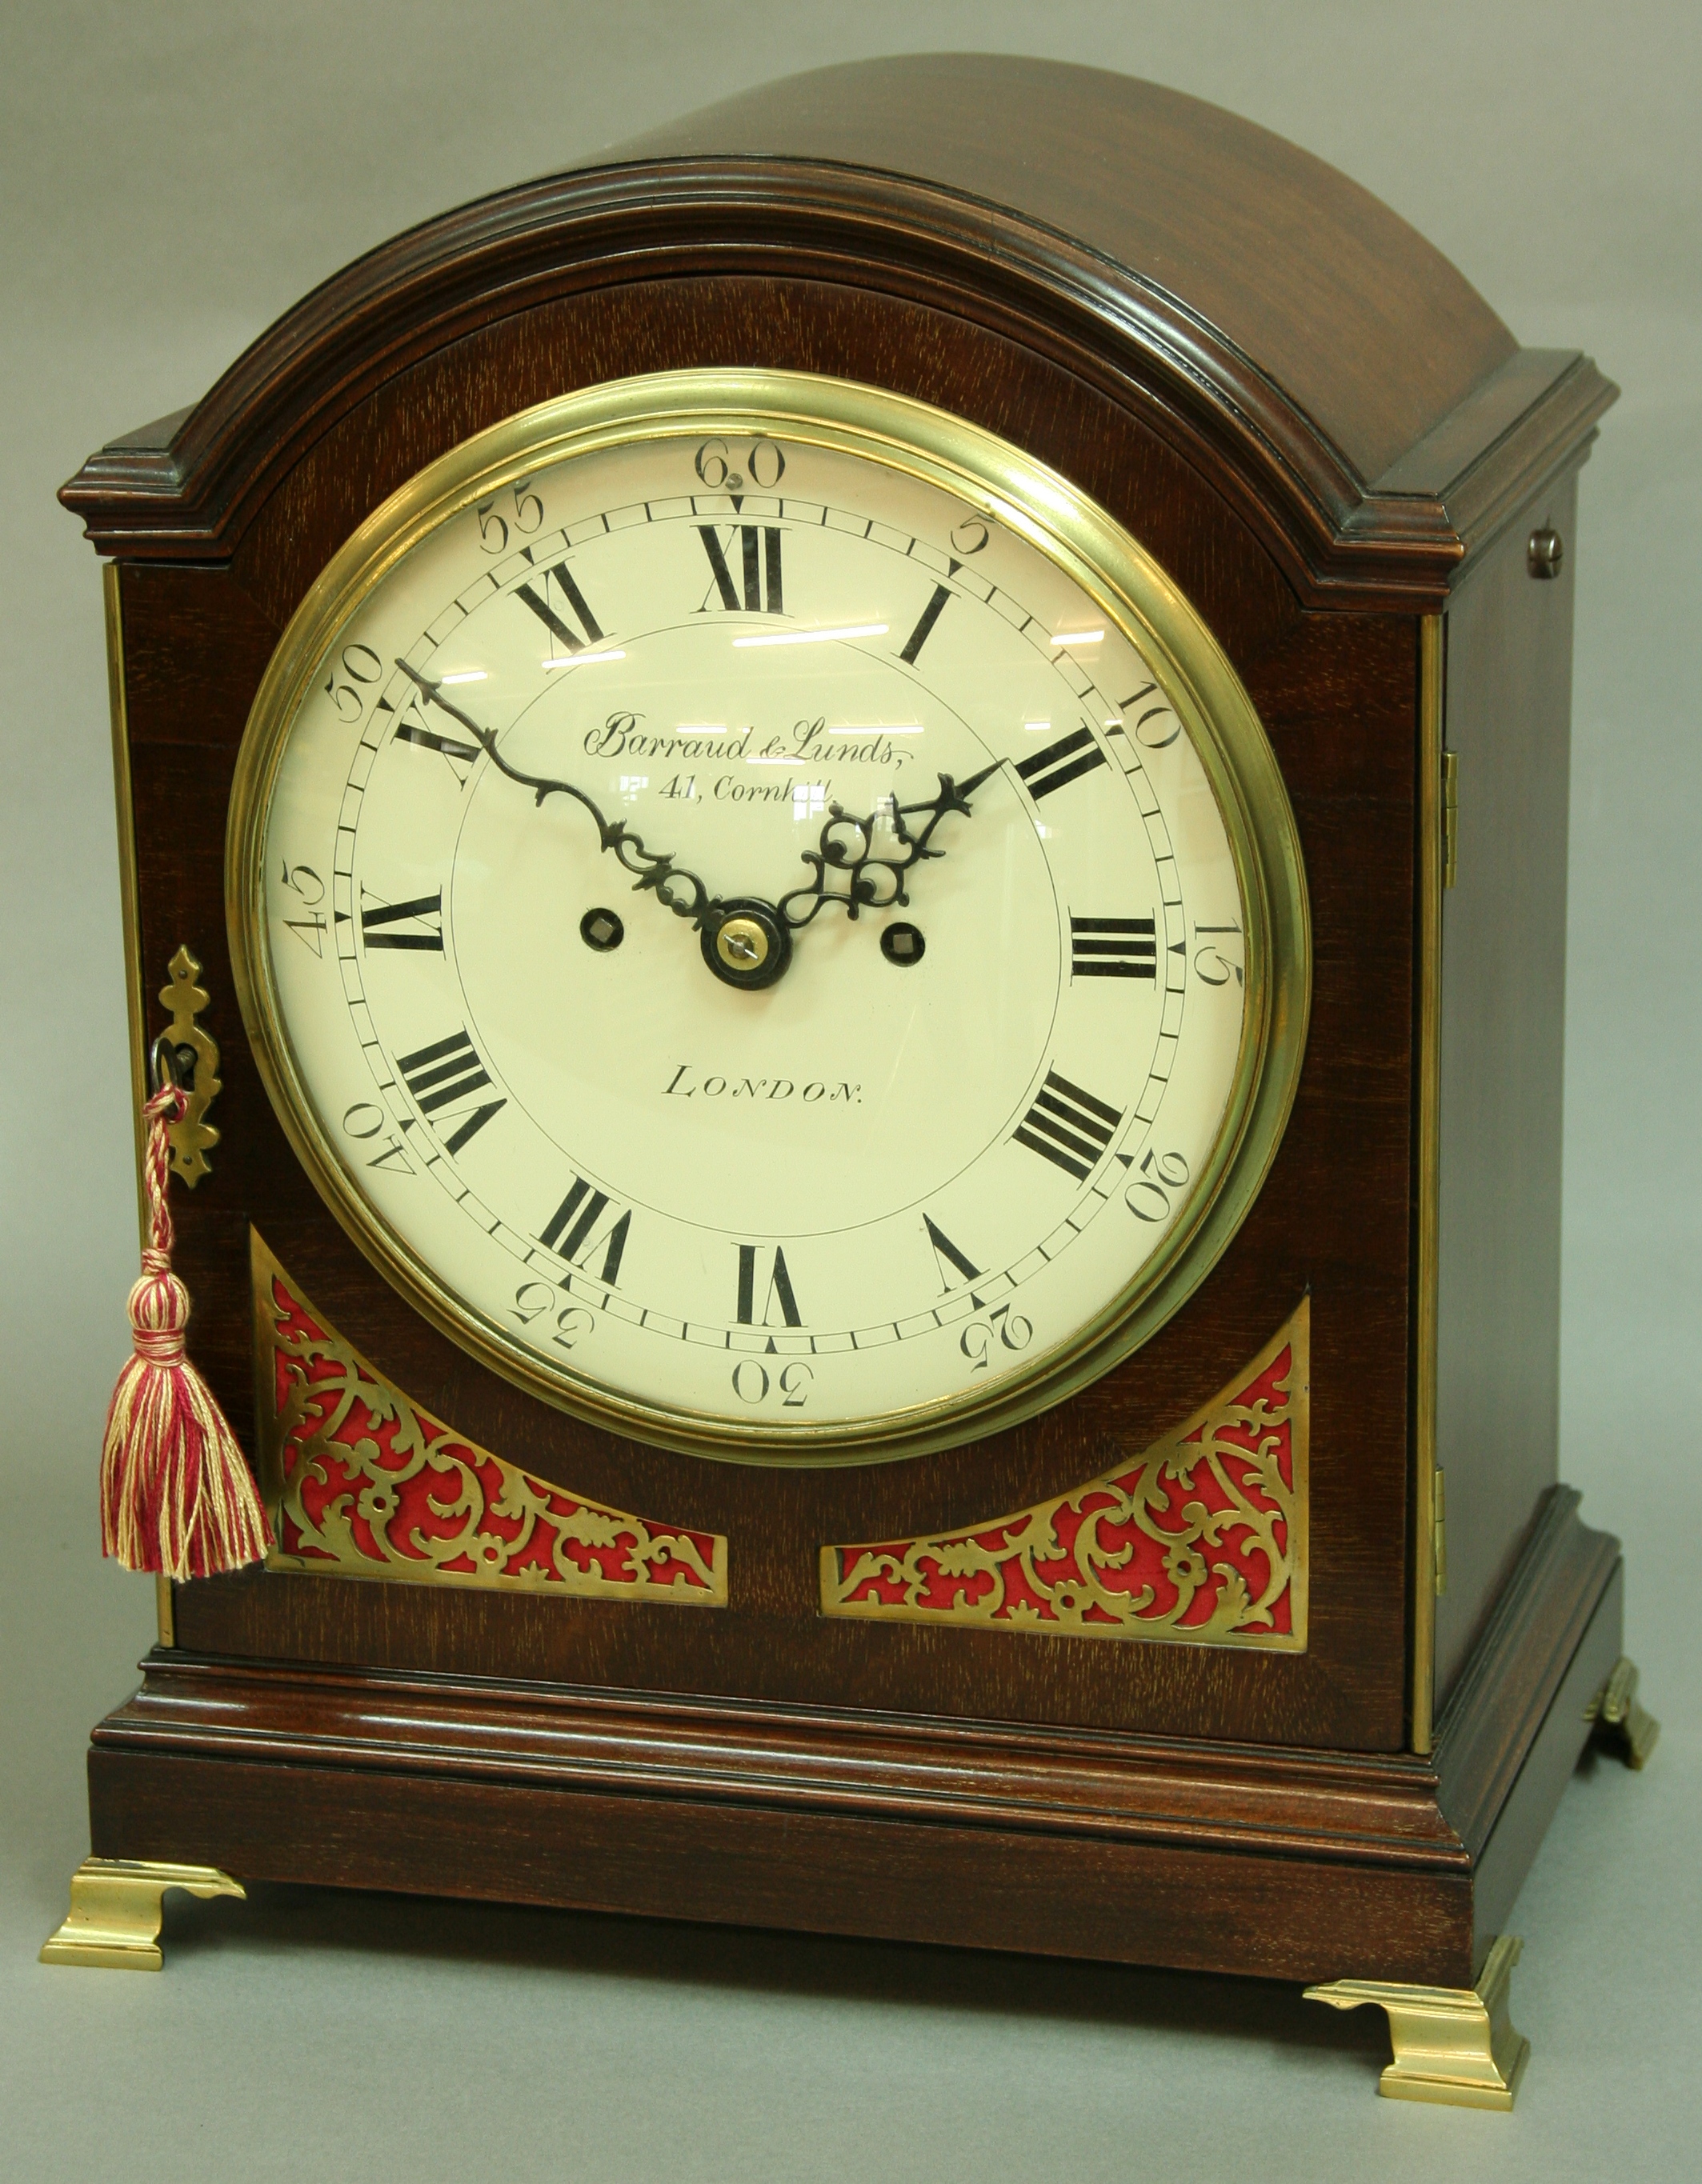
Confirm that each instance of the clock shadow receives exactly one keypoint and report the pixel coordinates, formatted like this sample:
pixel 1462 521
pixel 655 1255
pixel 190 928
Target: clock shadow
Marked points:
pixel 451 1934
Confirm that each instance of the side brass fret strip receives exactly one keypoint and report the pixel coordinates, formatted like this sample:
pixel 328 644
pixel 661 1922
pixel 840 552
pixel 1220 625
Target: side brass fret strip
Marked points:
pixel 128 902
pixel 1431 640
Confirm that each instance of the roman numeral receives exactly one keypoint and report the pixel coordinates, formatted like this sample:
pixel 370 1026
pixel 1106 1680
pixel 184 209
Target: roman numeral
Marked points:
pixel 426 909
pixel 759 552
pixel 569 1230
pixel 459 755
pixel 779 1287
pixel 1059 763
pixel 565 636
pixel 1068 1126
pixel 447 1071
pixel 947 1254
pixel 930 613
pixel 1113 948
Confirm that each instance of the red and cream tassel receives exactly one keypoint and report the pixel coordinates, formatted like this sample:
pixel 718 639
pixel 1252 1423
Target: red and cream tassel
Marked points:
pixel 175 1492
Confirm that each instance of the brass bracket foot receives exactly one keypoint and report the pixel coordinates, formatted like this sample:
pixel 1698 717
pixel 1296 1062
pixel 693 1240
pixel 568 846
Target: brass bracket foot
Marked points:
pixel 1453 2044
pixel 115 1911
pixel 1620 1722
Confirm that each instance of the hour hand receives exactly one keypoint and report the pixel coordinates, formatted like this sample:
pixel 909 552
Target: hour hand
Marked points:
pixel 846 851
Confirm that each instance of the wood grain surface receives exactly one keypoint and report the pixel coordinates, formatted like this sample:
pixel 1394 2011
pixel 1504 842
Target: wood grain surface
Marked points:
pixel 1343 387
pixel 1504 1009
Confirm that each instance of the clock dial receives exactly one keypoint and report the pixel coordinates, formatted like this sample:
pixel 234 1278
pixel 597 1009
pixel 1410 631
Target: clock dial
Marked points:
pixel 753 929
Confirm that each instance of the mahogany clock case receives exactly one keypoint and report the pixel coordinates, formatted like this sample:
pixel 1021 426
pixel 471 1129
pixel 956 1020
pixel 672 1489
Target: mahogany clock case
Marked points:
pixel 1329 443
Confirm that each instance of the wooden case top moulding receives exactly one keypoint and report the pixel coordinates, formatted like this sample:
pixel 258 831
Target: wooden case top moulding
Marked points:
pixel 1182 258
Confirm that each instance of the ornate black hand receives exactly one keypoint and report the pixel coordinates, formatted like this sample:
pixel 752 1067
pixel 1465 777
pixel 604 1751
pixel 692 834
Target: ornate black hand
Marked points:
pixel 846 849
pixel 651 872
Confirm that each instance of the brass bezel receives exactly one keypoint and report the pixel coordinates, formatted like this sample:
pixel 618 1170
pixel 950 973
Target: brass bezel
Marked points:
pixel 1042 506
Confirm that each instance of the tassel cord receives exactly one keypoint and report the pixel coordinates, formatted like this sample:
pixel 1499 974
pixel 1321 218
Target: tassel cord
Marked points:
pixel 176 1493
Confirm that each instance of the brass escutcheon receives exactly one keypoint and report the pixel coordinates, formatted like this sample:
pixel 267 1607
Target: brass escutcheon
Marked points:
pixel 196 1055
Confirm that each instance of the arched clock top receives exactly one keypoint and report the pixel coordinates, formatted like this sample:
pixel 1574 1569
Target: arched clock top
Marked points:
pixel 1266 256
pixel 1333 376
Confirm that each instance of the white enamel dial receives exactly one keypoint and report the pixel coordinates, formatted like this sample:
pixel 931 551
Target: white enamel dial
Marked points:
pixel 539 823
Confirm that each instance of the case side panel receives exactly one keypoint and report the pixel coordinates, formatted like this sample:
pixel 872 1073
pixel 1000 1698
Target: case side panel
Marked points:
pixel 1507 723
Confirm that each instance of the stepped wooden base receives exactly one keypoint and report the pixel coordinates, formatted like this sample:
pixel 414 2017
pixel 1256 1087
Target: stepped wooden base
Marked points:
pixel 1280 1864
pixel 1452 2045
pixel 116 1908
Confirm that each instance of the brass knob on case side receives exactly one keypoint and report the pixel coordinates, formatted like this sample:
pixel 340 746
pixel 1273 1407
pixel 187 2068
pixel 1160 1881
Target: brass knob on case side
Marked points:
pixel 1545 551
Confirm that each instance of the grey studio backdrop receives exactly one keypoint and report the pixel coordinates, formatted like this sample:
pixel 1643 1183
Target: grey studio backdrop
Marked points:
pixel 178 173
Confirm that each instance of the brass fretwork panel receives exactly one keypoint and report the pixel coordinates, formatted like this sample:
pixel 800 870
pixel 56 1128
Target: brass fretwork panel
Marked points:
pixel 1200 1538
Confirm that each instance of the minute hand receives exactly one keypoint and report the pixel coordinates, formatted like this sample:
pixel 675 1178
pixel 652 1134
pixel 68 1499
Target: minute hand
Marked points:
pixel 650 871
pixel 846 848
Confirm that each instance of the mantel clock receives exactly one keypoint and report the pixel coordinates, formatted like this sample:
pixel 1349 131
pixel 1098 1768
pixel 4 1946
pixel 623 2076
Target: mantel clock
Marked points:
pixel 857 840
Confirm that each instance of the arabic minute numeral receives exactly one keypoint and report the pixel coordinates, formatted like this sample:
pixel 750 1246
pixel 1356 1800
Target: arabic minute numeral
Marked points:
pixel 363 1121
pixel 1147 1195
pixel 765 465
pixel 573 1322
pixel 1212 967
pixel 753 1383
pixel 309 890
pixel 1001 1325
pixel 526 513
pixel 347 683
pixel 1156 727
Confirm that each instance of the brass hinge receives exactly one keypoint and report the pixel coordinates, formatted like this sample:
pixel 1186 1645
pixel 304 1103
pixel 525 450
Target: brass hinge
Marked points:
pixel 1450 816
pixel 1439 1532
